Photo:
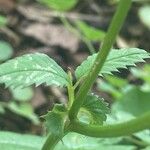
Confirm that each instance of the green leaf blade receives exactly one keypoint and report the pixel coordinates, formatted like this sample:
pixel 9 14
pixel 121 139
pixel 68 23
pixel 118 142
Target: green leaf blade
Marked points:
pixel 3 21
pixel 60 5
pixel 32 69
pixel 116 59
pixel 54 120
pixel 6 51
pixel 134 101
pixel 90 32
pixel 97 108
pixel 14 141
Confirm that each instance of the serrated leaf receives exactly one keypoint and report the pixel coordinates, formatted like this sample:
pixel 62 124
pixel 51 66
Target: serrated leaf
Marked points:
pixel 97 108
pixel 32 69
pixel 61 5
pixel 90 32
pixel 54 120
pixel 115 60
pixel 14 141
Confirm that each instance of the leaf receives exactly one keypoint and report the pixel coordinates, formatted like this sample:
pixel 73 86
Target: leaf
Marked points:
pixel 134 101
pixel 142 73
pixel 14 141
pixel 107 87
pixel 54 120
pixel 3 21
pixel 144 12
pixel 2 110
pixel 74 141
pixel 61 5
pixel 32 69
pixel 25 110
pixel 116 59
pixel 90 32
pixel 116 81
pixel 6 51
pixel 22 94
pixel 97 108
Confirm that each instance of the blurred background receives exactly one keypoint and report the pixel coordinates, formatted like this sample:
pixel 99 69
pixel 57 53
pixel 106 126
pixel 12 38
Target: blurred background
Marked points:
pixel 68 31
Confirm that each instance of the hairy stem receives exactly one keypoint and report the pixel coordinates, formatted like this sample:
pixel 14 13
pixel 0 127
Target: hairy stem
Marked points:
pixel 116 130
pixel 109 40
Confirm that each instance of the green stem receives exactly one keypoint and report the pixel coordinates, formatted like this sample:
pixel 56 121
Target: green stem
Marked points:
pixel 70 91
pixel 109 40
pixel 78 34
pixel 51 142
pixel 116 130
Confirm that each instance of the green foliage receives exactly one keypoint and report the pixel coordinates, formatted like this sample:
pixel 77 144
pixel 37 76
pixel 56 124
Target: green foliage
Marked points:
pixel 108 88
pixel 83 33
pixel 134 101
pixel 32 69
pixel 90 32
pixel 22 94
pixel 97 108
pixel 54 120
pixel 6 51
pixel 113 85
pixel 71 141
pixel 39 68
pixel 142 73
pixel 116 81
pixel 2 110
pixel 24 110
pixel 60 5
pixel 14 141
pixel 116 59
pixel 3 21
pixel 74 141
pixel 144 12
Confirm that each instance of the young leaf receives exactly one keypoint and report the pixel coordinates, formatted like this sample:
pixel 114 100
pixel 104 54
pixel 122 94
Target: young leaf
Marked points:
pixel 97 108
pixel 61 5
pixel 14 141
pixel 32 69
pixel 54 120
pixel 90 32
pixel 116 59
pixel 6 51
